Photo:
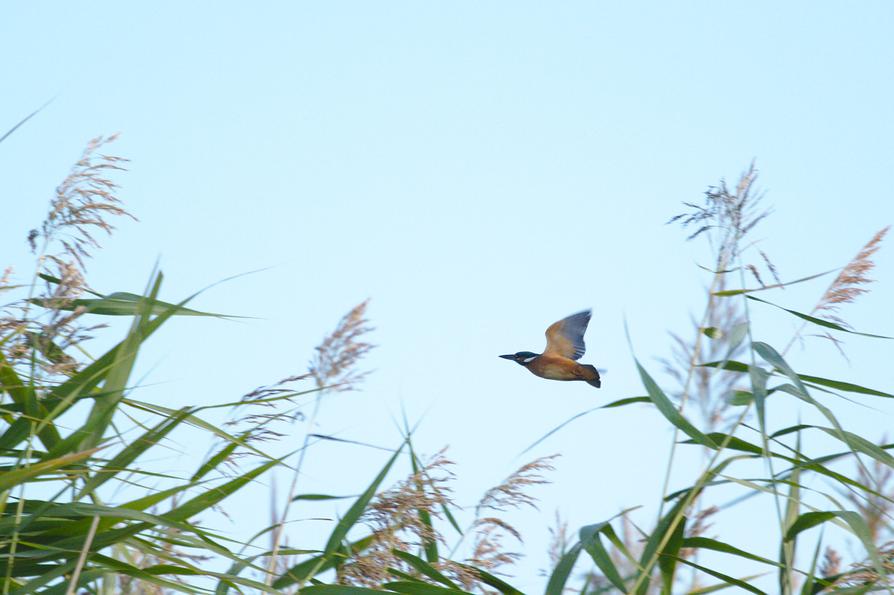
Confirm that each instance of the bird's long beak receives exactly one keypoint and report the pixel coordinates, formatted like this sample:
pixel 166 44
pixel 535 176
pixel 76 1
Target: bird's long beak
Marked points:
pixel 510 356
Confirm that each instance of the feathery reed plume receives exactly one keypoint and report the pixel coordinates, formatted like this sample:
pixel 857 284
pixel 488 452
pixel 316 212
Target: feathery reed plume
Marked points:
pixel 844 289
pixel 725 218
pixel 831 564
pixel 333 367
pixel 733 213
pixel 558 543
pixel 864 573
pixel 83 201
pixel 512 492
pixel 850 282
pixel 83 204
pixel 335 359
pixel 488 551
pixel 262 426
pixel 395 519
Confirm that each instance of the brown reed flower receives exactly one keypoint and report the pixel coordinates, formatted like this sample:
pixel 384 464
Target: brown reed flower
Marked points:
pixel 489 552
pixel 831 564
pixel 336 357
pixel 271 397
pixel 83 202
pixel 396 519
pixel 733 213
pixel 512 492
pixel 558 544
pixel 850 282
pixel 865 573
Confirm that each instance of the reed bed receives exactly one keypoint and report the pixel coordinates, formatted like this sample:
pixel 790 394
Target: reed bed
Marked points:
pixel 65 531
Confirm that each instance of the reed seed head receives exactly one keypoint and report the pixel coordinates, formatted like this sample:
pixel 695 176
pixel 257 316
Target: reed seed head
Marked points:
pixel 512 492
pixel 396 520
pixel 335 360
pixel 850 282
pixel 85 202
pixel 732 213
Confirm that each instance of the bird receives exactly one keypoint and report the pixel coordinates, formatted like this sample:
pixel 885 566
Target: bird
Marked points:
pixel 564 346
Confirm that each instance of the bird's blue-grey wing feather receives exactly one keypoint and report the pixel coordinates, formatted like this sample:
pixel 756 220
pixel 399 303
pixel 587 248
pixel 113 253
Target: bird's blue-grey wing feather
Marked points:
pixel 566 337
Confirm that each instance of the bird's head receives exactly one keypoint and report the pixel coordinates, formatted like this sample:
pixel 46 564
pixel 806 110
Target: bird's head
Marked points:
pixel 522 357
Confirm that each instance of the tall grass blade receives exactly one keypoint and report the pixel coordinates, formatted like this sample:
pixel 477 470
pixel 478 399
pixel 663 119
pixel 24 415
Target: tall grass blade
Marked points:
pixel 425 568
pixel 490 580
pixel 337 590
pixel 707 543
pixel 560 574
pixel 130 453
pixel 116 378
pixel 613 404
pixel 122 303
pixel 732 292
pixel 855 522
pixel 810 582
pixel 724 577
pixel 670 412
pixel 316 565
pixel 787 547
pixel 589 538
pixel 217 459
pixel 667 561
pixel 430 544
pixel 356 510
pixel 18 476
pixel 668 524
pixel 23 394
pixel 300 573
pixel 819 321
pixel 211 497
pixel 419 588
pixel 23 120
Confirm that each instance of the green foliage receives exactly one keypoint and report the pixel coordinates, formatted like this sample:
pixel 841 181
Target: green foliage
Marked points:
pixel 61 451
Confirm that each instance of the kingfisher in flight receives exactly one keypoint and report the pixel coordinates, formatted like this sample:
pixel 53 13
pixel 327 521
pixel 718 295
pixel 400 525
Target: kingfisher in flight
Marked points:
pixel 564 346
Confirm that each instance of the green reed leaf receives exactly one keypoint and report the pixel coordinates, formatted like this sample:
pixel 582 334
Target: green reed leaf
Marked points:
pixel 819 321
pixel 560 574
pixel 669 410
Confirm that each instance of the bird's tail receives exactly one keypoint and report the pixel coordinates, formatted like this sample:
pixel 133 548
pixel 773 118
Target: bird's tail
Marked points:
pixel 595 381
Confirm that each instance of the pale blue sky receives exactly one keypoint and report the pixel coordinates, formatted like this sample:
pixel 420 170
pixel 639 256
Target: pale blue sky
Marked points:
pixel 479 170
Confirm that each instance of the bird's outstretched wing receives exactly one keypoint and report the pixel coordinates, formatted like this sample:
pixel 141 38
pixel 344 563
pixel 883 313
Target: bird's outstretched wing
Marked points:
pixel 566 337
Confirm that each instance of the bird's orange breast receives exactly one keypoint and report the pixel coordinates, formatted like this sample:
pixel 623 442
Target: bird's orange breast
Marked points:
pixel 556 367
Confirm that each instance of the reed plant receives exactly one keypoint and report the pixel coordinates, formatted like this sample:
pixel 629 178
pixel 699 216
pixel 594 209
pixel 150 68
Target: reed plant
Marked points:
pixel 65 528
